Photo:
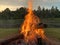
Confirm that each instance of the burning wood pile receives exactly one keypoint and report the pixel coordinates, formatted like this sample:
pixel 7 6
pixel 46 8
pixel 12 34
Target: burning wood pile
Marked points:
pixel 30 33
pixel 19 40
pixel 30 29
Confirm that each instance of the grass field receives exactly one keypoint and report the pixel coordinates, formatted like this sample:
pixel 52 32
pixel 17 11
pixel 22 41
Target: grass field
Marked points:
pixel 5 32
pixel 51 32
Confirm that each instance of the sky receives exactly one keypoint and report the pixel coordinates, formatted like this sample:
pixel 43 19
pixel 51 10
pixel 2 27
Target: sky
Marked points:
pixel 14 4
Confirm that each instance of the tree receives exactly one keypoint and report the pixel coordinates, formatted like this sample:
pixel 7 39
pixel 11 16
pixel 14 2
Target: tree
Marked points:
pixel 39 8
pixel 6 13
pixel 20 13
pixel 57 13
pixel 43 13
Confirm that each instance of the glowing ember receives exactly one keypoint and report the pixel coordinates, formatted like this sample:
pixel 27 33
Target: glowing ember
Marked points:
pixel 29 28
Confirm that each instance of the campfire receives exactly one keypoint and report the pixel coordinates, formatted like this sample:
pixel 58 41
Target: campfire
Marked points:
pixel 31 31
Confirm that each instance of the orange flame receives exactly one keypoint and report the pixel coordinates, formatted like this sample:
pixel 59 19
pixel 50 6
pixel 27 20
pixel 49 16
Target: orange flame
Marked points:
pixel 29 28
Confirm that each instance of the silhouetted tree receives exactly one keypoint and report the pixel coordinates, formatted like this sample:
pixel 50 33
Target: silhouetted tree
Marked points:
pixel 21 12
pixel 6 14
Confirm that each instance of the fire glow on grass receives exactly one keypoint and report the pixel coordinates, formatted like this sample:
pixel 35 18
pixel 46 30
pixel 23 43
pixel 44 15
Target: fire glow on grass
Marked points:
pixel 29 28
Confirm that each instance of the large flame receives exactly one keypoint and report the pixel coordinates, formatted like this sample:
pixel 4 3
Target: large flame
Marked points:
pixel 29 28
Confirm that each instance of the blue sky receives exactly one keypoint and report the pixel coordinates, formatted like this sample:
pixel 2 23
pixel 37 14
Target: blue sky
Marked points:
pixel 14 4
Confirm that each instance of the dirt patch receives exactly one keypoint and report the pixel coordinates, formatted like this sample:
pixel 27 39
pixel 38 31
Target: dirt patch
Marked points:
pixel 54 41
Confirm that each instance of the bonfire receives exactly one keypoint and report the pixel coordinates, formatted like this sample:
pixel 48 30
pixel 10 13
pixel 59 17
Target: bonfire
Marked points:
pixel 30 29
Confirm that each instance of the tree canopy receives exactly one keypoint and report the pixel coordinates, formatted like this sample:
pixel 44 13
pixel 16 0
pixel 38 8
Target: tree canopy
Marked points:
pixel 21 12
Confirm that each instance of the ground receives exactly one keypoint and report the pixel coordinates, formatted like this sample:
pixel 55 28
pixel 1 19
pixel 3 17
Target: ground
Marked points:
pixel 7 33
pixel 53 34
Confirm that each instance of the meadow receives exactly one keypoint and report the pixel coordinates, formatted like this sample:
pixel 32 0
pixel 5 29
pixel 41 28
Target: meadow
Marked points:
pixel 53 33
pixel 7 32
pixel 10 27
pixel 50 32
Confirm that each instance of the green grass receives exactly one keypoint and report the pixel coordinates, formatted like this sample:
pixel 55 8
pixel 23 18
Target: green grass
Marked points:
pixel 53 32
pixel 55 20
pixel 5 32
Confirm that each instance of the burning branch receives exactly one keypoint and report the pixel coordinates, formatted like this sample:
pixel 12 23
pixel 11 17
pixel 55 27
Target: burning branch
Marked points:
pixel 29 28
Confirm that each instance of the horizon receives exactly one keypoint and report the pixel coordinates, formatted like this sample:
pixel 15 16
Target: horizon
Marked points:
pixel 15 8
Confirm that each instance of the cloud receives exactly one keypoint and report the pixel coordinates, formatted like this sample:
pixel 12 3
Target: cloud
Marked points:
pixel 16 3
pixel 24 2
pixel 9 2
pixel 51 1
pixel 2 7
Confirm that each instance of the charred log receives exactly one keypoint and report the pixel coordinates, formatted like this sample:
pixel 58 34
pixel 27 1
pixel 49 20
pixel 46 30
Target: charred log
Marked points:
pixel 17 40
pixel 8 41
pixel 41 25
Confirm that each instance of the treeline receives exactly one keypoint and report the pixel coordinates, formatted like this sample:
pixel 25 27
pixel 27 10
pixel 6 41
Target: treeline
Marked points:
pixel 48 13
pixel 20 13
